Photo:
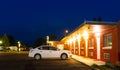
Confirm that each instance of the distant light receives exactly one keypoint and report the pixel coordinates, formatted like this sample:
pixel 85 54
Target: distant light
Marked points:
pixel 19 44
pixel 1 42
pixel 19 49
pixel 66 31
pixel 47 37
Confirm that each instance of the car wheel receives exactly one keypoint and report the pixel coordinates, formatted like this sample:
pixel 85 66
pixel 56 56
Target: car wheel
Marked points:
pixel 64 56
pixel 37 56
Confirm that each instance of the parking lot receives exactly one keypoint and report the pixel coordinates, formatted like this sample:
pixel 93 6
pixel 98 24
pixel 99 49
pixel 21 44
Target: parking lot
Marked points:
pixel 20 61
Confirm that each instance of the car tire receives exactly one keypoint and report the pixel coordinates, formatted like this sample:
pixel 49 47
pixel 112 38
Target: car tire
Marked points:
pixel 37 56
pixel 64 56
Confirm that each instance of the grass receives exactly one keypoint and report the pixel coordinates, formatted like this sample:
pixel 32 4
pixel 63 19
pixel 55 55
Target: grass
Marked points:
pixel 104 67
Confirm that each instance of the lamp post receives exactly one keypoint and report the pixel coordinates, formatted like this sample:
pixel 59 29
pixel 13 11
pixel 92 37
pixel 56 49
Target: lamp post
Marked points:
pixel 66 31
pixel 47 38
pixel 1 42
pixel 19 44
pixel 1 47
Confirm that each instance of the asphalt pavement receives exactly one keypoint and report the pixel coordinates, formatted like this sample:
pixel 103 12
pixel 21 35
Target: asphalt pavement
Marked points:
pixel 21 61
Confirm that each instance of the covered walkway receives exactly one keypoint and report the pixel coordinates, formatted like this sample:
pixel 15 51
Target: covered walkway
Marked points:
pixel 88 61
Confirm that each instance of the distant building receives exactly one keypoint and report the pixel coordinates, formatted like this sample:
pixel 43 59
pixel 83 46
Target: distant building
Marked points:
pixel 1 48
pixel 95 39
pixel 57 44
pixel 12 48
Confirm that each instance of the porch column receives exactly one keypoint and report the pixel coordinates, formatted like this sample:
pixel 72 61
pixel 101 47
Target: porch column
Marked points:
pixel 85 34
pixel 79 46
pixel 78 39
pixel 98 48
pixel 74 46
pixel 98 45
pixel 70 44
pixel 86 48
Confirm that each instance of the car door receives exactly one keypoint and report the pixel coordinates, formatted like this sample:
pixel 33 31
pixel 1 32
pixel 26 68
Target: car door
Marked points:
pixel 45 52
pixel 54 52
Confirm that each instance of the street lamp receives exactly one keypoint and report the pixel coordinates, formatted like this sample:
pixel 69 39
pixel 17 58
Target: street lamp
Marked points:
pixel 47 38
pixel 1 42
pixel 19 44
pixel 66 31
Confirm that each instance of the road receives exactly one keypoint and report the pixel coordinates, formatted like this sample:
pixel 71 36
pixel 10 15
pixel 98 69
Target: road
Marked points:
pixel 20 61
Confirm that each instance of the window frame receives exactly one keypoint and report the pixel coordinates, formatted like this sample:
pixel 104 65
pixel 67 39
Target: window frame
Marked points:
pixel 91 43
pixel 106 39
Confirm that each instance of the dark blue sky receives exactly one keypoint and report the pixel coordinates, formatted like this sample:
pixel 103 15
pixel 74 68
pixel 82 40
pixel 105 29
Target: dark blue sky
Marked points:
pixel 28 20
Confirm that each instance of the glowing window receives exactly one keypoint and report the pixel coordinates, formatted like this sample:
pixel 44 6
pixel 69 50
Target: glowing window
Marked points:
pixel 91 42
pixel 108 40
pixel 106 55
pixel 83 44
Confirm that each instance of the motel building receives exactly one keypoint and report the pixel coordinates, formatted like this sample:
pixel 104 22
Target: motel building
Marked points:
pixel 95 39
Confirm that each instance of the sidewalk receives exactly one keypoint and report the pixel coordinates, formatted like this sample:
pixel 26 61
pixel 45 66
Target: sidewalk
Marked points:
pixel 88 61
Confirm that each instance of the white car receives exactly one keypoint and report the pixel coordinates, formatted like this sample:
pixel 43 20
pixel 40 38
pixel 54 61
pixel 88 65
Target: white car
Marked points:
pixel 46 51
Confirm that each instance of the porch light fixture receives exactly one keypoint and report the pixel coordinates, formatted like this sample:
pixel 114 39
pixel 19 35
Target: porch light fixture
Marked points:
pixel 85 34
pixel 97 31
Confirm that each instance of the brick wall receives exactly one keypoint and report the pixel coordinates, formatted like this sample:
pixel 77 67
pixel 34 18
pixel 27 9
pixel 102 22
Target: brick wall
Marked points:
pixel 119 39
pixel 112 53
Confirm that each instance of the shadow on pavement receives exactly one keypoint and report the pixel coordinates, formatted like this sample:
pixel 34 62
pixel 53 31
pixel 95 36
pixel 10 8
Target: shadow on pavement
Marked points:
pixel 29 66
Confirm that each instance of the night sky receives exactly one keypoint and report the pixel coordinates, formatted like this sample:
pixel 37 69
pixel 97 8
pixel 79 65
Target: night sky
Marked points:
pixel 28 20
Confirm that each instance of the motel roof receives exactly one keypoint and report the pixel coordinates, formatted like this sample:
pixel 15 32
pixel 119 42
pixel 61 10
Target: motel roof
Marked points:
pixel 92 23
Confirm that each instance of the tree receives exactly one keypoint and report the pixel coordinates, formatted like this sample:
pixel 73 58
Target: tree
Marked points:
pixel 94 19
pixel 11 40
pixel 52 38
pixel 39 41
pixel 5 40
pixel 99 19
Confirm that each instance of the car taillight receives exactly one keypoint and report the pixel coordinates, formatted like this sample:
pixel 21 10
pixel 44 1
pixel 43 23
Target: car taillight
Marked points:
pixel 31 50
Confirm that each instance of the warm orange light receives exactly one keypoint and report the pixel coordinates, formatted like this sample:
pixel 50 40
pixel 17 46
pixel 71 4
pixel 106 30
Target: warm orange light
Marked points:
pixel 98 47
pixel 86 42
pixel 50 43
pixel 97 34
pixel 85 34
pixel 60 46
pixel 97 29
pixel 73 39
pixel 70 41
pixel 78 36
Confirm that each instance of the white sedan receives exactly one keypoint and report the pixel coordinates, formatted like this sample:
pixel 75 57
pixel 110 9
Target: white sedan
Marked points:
pixel 46 51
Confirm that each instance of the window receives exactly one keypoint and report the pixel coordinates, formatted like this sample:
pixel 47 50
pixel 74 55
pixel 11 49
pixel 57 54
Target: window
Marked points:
pixel 82 44
pixel 39 48
pixel 52 48
pixel 108 40
pixel 106 56
pixel 45 48
pixel 90 53
pixel 91 42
